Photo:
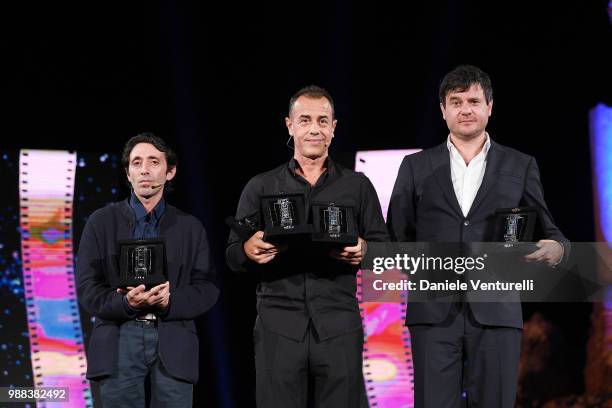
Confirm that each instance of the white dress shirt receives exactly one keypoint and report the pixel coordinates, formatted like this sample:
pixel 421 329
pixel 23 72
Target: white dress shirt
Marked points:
pixel 467 177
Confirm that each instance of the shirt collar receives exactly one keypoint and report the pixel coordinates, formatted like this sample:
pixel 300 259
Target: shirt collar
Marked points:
pixel 453 150
pixel 140 212
pixel 294 165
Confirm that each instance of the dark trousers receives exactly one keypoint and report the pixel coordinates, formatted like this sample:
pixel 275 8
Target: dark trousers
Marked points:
pixel 460 354
pixel 138 357
pixel 309 373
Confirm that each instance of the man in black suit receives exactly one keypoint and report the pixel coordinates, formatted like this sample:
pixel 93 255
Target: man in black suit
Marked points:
pixel 139 332
pixel 449 193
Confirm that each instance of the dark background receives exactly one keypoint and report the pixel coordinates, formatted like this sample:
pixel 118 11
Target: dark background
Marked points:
pixel 214 80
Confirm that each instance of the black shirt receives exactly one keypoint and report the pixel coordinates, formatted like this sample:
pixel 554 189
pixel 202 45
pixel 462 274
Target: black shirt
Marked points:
pixel 147 224
pixel 304 282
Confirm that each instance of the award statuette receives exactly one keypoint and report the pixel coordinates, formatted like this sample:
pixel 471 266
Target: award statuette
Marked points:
pixel 142 262
pixel 284 218
pixel 333 224
pixel 514 225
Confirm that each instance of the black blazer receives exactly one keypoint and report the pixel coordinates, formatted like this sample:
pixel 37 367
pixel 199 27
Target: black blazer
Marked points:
pixel 190 273
pixel 424 208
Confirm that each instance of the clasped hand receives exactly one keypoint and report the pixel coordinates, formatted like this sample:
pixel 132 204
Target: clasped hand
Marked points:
pixel 140 298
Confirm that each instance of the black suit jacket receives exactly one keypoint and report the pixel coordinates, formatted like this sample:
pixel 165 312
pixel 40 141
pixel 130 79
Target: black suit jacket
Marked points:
pixel 424 208
pixel 192 292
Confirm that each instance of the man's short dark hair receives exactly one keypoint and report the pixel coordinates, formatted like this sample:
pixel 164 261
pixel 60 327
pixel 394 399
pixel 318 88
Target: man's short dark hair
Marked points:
pixel 462 78
pixel 158 143
pixel 312 92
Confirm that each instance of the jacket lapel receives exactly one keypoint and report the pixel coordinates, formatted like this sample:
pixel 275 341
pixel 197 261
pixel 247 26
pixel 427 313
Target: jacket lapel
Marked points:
pixel 494 160
pixel 173 245
pixel 126 227
pixel 440 163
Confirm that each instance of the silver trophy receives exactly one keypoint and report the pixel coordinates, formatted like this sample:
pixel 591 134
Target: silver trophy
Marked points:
pixel 142 262
pixel 283 208
pixel 333 224
pixel 514 225
pixel 514 222
pixel 283 217
pixel 333 221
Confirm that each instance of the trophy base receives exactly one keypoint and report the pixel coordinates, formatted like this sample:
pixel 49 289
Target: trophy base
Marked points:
pixel 342 240
pixel 281 236
pixel 521 248
pixel 510 248
pixel 149 282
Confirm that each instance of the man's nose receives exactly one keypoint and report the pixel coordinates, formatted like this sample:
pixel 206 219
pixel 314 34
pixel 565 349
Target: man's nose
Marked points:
pixel 315 129
pixel 465 109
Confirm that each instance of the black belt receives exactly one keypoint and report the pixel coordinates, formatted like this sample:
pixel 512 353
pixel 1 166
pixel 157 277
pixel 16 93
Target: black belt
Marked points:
pixel 142 323
pixel 149 318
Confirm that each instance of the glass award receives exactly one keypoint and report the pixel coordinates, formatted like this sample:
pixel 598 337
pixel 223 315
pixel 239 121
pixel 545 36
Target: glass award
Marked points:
pixel 334 224
pixel 142 262
pixel 514 225
pixel 284 217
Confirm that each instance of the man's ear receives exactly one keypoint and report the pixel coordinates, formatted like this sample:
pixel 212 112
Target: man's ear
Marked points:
pixel 443 111
pixel 171 173
pixel 289 125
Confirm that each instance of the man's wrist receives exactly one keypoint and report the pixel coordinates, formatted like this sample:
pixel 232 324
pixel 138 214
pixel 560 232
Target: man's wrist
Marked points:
pixel 162 311
pixel 562 254
pixel 364 247
pixel 130 308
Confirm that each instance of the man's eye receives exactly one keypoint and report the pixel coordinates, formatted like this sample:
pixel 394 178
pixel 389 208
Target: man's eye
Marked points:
pixel 155 162
pixel 136 163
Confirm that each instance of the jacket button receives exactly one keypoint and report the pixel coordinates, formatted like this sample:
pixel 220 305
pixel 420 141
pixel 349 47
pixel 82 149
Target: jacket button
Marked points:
pixel 466 223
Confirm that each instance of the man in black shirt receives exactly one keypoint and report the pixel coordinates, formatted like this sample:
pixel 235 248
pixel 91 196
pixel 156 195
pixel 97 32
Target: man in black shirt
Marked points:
pixel 308 334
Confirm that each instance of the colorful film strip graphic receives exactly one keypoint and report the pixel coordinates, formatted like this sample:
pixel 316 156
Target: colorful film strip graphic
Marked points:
pixel 601 147
pixel 601 151
pixel 46 187
pixel 387 355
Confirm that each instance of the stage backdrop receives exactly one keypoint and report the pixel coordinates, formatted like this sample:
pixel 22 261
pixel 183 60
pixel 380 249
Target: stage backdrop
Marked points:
pixel 42 329
pixel 387 353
